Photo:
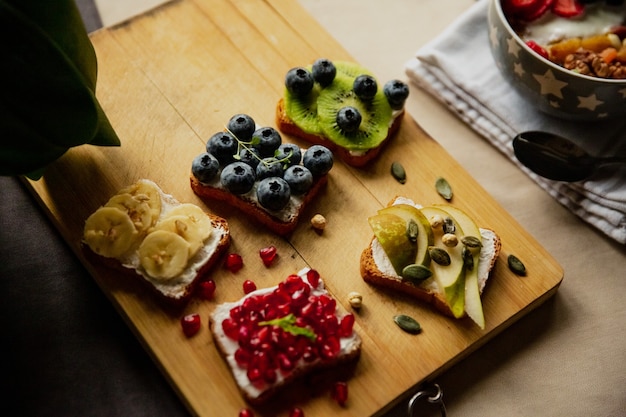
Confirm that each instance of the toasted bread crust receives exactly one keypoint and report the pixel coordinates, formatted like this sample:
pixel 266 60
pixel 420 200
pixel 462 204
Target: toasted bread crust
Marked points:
pixel 286 125
pixel 207 192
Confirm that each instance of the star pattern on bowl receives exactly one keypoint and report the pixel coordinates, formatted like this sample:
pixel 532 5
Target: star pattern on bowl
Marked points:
pixel 550 84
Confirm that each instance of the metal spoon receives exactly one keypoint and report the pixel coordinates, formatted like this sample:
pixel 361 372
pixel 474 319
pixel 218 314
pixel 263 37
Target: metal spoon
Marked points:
pixel 557 158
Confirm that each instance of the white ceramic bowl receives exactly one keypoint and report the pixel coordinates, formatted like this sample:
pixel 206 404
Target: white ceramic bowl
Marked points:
pixel 553 89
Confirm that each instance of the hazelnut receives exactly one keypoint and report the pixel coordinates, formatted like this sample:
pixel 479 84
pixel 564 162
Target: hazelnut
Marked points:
pixel 450 240
pixel 355 299
pixel 318 222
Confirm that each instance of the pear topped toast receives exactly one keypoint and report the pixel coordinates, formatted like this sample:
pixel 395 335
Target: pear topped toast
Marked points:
pixel 148 233
pixel 436 254
pixel 340 105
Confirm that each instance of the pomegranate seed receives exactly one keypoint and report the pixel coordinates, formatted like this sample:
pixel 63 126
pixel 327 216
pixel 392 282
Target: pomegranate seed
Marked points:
pixel 246 412
pixel 270 375
pixel 248 286
pixel 207 289
pixel 296 412
pixel 284 362
pixel 254 374
pixel 345 327
pixel 234 262
pixel 190 324
pixel 339 392
pixel 313 277
pixel 268 255
pixel 231 329
pixel 242 357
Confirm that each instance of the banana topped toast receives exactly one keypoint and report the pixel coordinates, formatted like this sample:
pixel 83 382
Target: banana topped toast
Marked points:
pixel 273 336
pixel 170 245
pixel 436 254
pixel 250 168
pixel 340 105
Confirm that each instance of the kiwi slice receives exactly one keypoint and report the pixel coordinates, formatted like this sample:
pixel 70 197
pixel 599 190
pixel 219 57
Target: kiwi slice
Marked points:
pixel 303 110
pixel 350 69
pixel 376 115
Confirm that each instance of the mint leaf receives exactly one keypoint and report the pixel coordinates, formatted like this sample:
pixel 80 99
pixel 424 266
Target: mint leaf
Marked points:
pixel 288 324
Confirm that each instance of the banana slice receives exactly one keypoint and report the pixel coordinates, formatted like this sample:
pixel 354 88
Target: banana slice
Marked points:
pixel 163 254
pixel 110 232
pixel 137 208
pixel 190 222
pixel 147 192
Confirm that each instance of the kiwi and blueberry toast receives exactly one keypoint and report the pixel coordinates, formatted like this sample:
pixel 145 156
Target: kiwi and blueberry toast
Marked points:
pixel 341 105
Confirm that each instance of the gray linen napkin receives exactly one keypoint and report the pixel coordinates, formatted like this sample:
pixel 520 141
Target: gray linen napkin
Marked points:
pixel 457 68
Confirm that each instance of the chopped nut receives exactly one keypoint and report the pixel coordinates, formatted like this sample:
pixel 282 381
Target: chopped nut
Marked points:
pixel 436 221
pixel 318 222
pixel 450 240
pixel 355 299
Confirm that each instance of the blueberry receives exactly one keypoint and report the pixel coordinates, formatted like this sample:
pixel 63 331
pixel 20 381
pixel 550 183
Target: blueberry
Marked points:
pixel 205 167
pixel 299 179
pixel 289 154
pixel 250 156
pixel 273 193
pixel 266 140
pixel 299 81
pixel 396 92
pixel 223 146
pixel 324 71
pixel 348 119
pixel 238 177
pixel 365 87
pixel 269 167
pixel 318 159
pixel 242 126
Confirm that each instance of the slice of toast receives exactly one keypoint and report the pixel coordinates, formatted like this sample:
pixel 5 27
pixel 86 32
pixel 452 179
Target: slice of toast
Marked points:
pixel 355 159
pixel 376 268
pixel 282 222
pixel 269 356
pixel 166 215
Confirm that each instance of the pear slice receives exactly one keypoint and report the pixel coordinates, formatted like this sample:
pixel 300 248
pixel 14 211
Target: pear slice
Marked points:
pixel 451 278
pixel 391 232
pixel 473 304
pixel 425 237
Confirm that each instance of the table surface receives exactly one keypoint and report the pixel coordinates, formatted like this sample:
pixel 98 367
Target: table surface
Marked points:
pixel 568 357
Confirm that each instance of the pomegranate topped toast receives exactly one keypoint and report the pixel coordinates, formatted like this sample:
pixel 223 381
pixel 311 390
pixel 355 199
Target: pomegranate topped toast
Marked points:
pixel 149 234
pixel 273 336
pixel 436 254
pixel 251 169
pixel 340 105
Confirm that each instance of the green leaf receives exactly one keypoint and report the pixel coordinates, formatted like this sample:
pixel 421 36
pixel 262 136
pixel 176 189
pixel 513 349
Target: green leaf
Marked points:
pixel 287 323
pixel 48 75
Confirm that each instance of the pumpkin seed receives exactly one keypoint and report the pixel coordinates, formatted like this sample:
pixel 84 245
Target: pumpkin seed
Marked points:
pixel 439 256
pixel 398 172
pixel 443 188
pixel 448 225
pixel 407 323
pixel 471 242
pixel 412 230
pixel 516 265
pixel 468 258
pixel 416 273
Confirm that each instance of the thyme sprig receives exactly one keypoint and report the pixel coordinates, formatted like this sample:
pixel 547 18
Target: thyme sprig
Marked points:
pixel 241 144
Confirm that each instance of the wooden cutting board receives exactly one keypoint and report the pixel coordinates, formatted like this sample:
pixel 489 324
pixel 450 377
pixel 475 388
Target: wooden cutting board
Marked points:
pixel 171 78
